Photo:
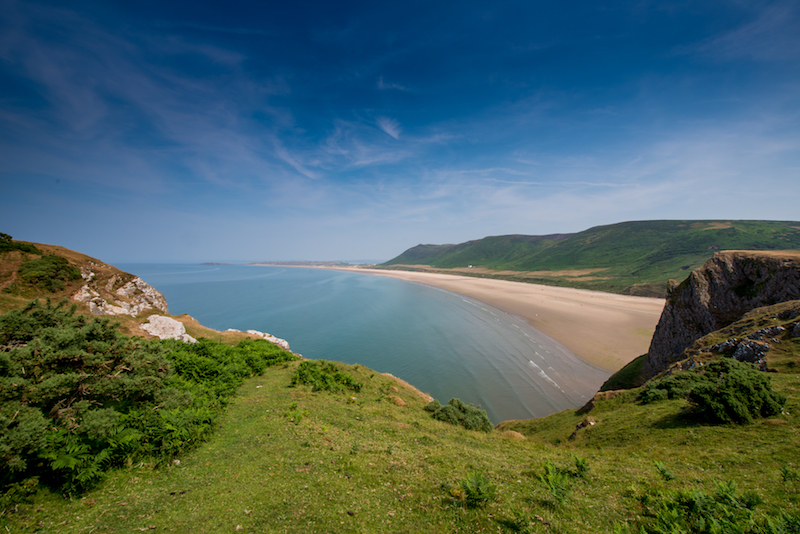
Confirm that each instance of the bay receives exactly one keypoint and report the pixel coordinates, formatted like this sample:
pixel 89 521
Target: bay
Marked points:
pixel 445 344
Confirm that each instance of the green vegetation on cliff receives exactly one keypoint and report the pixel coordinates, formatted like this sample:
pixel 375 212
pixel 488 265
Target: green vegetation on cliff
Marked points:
pixel 7 244
pixel 632 257
pixel 77 397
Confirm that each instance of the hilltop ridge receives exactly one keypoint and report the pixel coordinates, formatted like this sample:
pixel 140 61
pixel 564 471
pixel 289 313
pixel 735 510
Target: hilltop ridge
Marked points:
pixel 635 257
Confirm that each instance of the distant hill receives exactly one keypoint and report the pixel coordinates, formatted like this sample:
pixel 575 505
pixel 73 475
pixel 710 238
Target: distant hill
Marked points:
pixel 631 258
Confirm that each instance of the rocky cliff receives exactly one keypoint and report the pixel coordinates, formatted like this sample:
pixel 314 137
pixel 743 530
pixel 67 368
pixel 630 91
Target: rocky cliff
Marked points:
pixel 119 294
pixel 720 292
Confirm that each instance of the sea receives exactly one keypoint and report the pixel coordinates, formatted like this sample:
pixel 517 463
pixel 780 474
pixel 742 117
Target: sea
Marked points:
pixel 443 343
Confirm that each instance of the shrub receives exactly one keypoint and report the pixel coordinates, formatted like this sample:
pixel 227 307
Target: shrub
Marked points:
pixel 722 391
pixel 49 272
pixel 675 386
pixel 665 473
pixel 557 481
pixel 433 406
pixel 7 244
pixel 325 377
pixel 581 466
pixel 734 392
pixel 457 413
pixel 477 490
pixel 789 475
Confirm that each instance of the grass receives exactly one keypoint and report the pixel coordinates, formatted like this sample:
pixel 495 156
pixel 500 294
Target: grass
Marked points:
pixel 365 464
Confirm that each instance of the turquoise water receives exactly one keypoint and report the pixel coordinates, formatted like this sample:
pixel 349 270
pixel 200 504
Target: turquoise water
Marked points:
pixel 443 343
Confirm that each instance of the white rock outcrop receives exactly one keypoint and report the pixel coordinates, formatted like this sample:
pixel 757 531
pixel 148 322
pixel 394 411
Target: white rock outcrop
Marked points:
pixel 136 296
pixel 166 328
pixel 282 343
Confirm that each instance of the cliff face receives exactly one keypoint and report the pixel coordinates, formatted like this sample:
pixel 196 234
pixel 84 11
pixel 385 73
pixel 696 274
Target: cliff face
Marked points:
pixel 717 294
pixel 117 294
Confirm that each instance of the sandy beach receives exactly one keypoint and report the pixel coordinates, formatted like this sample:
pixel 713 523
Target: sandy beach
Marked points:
pixel 604 329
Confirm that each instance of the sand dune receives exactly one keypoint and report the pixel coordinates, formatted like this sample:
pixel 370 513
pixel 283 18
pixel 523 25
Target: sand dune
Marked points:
pixel 605 329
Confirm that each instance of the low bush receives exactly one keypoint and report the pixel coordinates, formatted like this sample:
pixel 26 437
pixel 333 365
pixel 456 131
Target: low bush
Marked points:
pixel 322 376
pixel 557 481
pixel 48 272
pixel 581 466
pixel 457 413
pixel 722 391
pixel 735 392
pixel 665 472
pixel 477 490
pixel 7 244
pixel 789 475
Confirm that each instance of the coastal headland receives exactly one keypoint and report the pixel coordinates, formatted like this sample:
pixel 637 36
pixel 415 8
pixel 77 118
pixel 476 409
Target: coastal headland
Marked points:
pixel 604 329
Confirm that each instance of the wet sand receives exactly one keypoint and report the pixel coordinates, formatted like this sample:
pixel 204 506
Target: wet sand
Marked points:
pixel 604 329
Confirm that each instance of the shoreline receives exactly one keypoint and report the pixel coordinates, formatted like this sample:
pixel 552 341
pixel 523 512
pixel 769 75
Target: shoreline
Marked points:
pixel 606 330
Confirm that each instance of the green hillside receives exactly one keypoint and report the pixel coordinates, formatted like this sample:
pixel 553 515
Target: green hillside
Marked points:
pixel 104 432
pixel 631 257
pixel 289 457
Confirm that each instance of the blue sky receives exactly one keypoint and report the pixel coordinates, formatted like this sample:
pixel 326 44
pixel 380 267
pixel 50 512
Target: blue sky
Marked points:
pixel 198 131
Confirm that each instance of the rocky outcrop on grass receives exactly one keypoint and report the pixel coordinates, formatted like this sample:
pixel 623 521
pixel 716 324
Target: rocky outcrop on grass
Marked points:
pixel 167 328
pixel 121 294
pixel 717 294
pixel 282 343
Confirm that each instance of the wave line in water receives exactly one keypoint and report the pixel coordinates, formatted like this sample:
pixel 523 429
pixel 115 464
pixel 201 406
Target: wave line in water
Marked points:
pixel 545 376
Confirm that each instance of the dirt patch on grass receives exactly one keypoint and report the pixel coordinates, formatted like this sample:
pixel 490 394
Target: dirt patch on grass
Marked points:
pixel 409 387
pixel 570 273
pixel 781 254
pixel 717 225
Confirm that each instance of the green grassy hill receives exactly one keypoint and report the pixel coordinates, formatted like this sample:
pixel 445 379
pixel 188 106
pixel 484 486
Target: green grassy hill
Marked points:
pixel 357 451
pixel 291 459
pixel 632 257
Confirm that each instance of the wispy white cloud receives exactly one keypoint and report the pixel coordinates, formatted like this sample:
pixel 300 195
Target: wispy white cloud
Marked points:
pixel 560 183
pixel 386 86
pixel 772 35
pixel 390 126
pixel 111 104
pixel 235 30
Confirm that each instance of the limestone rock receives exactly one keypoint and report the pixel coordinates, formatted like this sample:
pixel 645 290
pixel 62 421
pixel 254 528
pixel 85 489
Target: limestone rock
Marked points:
pixel 720 292
pixel 167 328
pixel 771 333
pixel 282 343
pixel 750 351
pixel 272 339
pixel 131 298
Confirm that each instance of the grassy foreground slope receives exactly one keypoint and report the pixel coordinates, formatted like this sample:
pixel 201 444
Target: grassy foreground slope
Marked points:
pixel 630 258
pixel 288 459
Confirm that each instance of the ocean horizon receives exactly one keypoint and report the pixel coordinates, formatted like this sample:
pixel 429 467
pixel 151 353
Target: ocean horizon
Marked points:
pixel 443 343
